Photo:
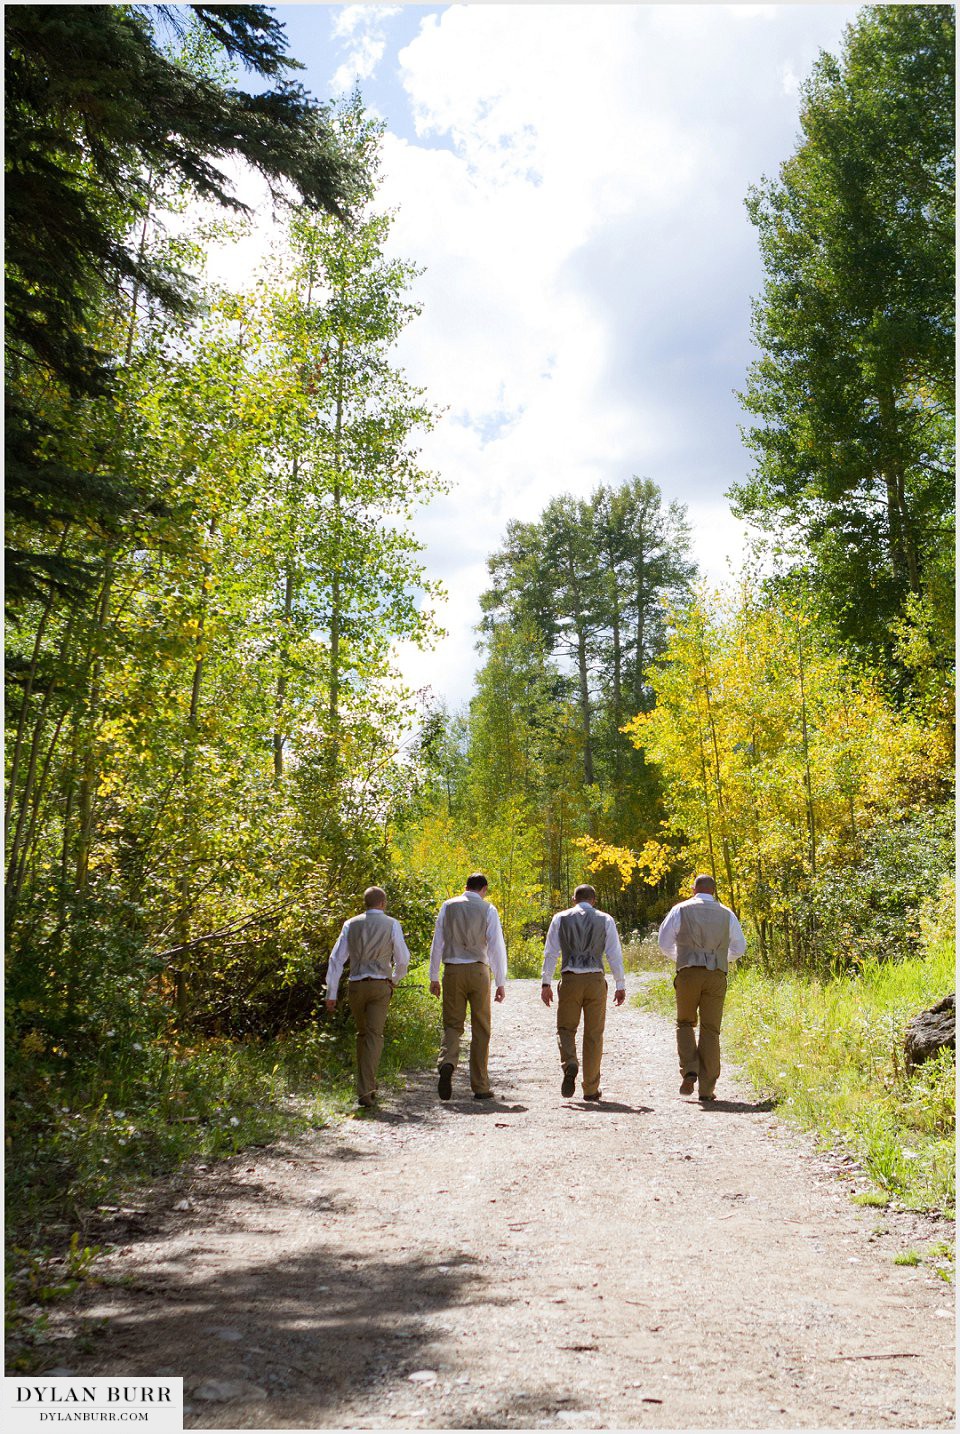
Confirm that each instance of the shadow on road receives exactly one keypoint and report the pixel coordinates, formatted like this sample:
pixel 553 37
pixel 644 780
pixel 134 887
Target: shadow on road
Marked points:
pixel 737 1107
pixel 611 1107
pixel 316 1326
pixel 482 1107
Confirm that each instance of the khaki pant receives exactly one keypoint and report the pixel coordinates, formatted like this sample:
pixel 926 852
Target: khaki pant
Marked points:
pixel 582 993
pixel 369 999
pixel 463 985
pixel 700 992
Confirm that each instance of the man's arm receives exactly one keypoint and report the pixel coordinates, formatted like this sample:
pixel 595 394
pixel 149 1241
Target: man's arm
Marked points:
pixel 667 935
pixel 614 954
pixel 551 951
pixel 436 948
pixel 335 965
pixel 496 949
pixel 401 952
pixel 738 942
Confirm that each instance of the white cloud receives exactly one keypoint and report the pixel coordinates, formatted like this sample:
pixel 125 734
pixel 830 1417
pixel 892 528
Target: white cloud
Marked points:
pixel 789 79
pixel 361 27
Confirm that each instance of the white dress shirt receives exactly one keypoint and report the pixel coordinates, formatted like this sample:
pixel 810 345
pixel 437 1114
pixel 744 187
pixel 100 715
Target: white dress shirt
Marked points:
pixel 611 947
pixel 496 947
pixel 667 936
pixel 338 959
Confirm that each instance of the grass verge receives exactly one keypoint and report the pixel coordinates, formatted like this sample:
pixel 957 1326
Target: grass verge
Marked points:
pixel 830 1052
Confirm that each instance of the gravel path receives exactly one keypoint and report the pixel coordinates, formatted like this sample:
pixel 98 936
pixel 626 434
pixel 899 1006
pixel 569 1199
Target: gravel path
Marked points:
pixel 531 1262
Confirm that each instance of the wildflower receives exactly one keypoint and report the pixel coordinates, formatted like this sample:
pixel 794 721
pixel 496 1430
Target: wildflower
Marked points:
pixel 234 1120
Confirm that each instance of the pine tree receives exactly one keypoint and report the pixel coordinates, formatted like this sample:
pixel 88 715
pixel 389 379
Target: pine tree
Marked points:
pixel 96 112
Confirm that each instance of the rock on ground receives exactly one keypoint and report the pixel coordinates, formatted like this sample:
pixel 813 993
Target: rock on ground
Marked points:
pixel 931 1032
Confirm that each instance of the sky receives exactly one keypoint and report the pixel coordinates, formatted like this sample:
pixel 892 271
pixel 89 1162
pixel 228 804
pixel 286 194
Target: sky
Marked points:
pixel 572 179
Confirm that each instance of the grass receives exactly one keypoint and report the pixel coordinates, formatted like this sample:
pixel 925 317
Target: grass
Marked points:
pixel 641 953
pixel 830 1052
pixel 82 1139
pixel 908 1257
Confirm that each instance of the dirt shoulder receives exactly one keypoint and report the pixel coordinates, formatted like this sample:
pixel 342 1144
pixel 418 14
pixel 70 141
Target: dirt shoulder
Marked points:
pixel 532 1262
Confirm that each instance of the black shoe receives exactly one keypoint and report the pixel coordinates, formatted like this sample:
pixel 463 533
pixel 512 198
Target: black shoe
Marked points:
pixel 570 1073
pixel 687 1084
pixel 594 1096
pixel 445 1083
pixel 705 1096
pixel 483 1095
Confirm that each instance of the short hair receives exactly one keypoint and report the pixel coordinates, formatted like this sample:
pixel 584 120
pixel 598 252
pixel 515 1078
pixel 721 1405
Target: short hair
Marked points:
pixel 477 881
pixel 374 896
pixel 585 893
pixel 705 882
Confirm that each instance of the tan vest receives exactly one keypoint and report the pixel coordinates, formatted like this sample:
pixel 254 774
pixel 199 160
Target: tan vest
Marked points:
pixel 465 929
pixel 370 945
pixel 583 935
pixel 704 932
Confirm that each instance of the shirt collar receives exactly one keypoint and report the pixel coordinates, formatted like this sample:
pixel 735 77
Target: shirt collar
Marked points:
pixel 703 896
pixel 474 895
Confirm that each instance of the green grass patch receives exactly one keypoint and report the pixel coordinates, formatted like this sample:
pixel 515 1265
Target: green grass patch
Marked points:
pixel 658 995
pixel 873 1199
pixel 908 1257
pixel 830 1052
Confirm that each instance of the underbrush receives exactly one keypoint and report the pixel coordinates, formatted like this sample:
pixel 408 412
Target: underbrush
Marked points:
pixel 525 958
pixel 82 1136
pixel 830 1052
pixel 641 953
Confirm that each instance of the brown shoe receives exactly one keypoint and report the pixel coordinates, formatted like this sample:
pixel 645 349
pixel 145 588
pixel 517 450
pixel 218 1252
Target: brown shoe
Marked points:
pixel 445 1083
pixel 570 1073
pixel 706 1095
pixel 687 1084
pixel 594 1095
pixel 483 1095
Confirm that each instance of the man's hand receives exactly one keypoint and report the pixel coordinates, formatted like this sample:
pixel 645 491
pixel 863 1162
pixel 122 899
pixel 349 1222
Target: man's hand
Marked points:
pixel 501 993
pixel 546 995
pixel 619 997
pixel 435 989
pixel 331 1006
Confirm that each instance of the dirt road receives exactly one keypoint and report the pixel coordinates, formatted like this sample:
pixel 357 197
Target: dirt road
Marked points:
pixel 532 1262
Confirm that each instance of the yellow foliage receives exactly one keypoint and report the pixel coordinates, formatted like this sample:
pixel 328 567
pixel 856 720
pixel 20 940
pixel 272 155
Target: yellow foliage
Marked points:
pixel 33 1044
pixel 777 755
pixel 653 860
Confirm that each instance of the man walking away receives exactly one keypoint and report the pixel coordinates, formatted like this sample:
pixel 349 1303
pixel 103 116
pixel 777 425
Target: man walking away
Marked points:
pixel 374 946
pixel 581 937
pixel 702 937
pixel 468 939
